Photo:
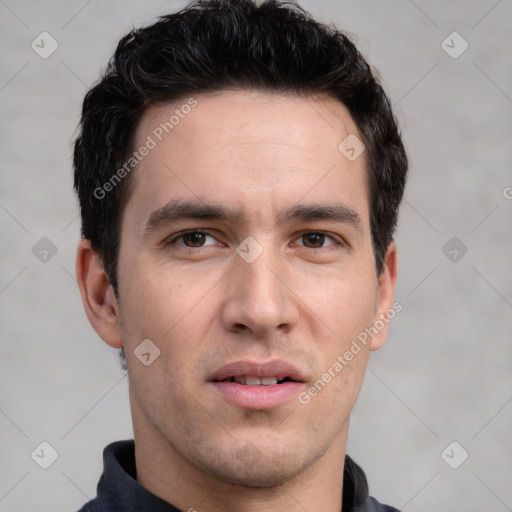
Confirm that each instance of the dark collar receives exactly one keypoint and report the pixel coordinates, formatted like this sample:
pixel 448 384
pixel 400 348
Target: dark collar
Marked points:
pixel 119 491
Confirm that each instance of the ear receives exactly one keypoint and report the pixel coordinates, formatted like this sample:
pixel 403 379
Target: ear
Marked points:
pixel 98 297
pixel 385 310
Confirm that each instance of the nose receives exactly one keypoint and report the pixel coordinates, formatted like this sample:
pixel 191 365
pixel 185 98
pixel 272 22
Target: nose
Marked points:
pixel 260 298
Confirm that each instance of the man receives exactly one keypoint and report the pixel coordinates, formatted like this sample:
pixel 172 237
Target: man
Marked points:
pixel 239 172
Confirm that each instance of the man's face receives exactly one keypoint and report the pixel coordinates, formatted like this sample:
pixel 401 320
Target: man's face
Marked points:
pixel 246 253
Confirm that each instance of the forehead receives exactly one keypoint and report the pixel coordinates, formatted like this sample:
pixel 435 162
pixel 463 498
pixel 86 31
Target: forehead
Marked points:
pixel 248 148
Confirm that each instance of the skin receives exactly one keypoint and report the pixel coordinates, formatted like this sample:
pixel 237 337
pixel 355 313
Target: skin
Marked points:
pixel 303 300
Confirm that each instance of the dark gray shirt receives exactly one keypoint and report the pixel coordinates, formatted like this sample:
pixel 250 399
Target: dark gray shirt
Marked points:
pixel 119 491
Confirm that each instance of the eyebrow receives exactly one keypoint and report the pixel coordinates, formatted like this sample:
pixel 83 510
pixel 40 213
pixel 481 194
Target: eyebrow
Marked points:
pixel 186 210
pixel 333 213
pixel 182 210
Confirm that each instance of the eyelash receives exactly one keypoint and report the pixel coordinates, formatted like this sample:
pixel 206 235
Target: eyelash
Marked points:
pixel 174 238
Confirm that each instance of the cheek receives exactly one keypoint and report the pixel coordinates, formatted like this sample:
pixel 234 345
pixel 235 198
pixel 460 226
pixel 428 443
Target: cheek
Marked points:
pixel 172 310
pixel 346 307
pixel 344 304
pixel 155 299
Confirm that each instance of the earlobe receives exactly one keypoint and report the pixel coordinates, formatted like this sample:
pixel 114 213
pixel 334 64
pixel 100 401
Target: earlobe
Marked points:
pixel 385 311
pixel 98 297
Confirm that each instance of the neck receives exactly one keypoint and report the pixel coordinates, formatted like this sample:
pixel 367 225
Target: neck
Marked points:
pixel 168 475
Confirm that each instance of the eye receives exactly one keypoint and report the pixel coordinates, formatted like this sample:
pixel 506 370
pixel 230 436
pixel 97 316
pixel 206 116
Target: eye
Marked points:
pixel 193 239
pixel 316 240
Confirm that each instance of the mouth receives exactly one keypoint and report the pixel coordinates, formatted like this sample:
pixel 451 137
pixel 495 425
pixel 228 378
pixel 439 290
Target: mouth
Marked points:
pixel 258 385
pixel 256 373
pixel 247 380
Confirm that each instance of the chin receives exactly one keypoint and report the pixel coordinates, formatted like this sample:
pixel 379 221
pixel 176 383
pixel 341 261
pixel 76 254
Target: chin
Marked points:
pixel 256 478
pixel 255 469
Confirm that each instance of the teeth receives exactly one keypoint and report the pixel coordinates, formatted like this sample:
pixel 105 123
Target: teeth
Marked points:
pixel 256 381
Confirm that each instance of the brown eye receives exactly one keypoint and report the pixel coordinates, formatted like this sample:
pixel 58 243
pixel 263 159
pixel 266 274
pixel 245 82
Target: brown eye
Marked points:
pixel 313 240
pixel 194 239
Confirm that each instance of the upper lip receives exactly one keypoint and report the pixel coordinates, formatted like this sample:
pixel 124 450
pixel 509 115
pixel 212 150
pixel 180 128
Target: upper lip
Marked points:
pixel 276 368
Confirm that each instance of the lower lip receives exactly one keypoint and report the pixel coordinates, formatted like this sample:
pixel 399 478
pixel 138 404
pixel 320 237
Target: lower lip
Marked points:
pixel 258 397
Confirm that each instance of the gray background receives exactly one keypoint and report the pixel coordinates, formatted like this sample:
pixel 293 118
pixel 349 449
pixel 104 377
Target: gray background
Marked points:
pixel 445 373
